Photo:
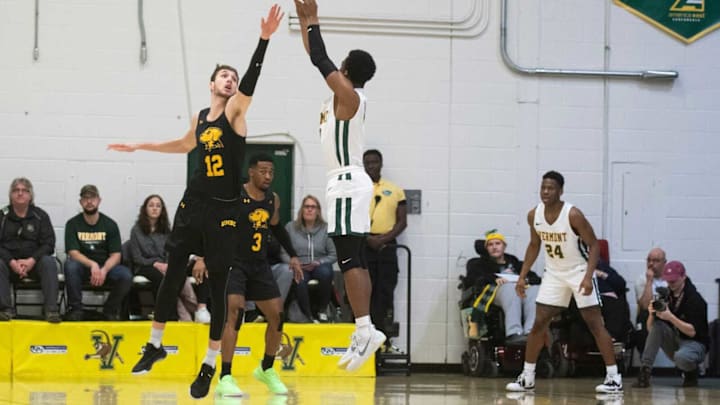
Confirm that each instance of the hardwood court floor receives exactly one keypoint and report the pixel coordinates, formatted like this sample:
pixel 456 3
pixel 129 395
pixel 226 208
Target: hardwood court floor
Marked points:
pixel 421 389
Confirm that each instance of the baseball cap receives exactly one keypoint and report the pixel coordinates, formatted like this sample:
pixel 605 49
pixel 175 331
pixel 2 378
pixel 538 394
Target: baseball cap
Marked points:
pixel 89 190
pixel 674 270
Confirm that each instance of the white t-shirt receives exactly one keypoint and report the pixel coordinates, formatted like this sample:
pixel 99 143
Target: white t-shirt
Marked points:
pixel 640 285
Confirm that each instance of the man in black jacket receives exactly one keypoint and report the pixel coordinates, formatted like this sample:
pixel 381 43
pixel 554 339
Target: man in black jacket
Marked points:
pixel 677 325
pixel 502 269
pixel 27 242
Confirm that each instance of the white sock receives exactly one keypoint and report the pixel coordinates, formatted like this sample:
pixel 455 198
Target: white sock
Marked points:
pixel 529 369
pixel 156 337
pixel 612 371
pixel 362 324
pixel 210 357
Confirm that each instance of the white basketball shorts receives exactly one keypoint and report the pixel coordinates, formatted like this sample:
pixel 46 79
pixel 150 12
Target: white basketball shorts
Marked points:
pixel 348 198
pixel 558 286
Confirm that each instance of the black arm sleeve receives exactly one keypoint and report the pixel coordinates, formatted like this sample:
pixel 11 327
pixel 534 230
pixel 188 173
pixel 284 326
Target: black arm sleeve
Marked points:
pixel 248 82
pixel 318 54
pixel 283 238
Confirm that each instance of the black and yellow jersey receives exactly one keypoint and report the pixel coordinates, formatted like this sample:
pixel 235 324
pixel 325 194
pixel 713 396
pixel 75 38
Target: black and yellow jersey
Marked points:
pixel 221 152
pixel 254 225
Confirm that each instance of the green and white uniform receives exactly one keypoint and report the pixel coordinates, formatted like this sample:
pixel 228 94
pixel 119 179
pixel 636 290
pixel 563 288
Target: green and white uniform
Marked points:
pixel 349 189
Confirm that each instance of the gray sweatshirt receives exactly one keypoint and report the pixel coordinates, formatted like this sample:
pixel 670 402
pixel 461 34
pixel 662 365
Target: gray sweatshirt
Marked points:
pixel 147 249
pixel 312 245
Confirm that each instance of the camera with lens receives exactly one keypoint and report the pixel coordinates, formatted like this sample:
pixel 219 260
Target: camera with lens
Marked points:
pixel 660 301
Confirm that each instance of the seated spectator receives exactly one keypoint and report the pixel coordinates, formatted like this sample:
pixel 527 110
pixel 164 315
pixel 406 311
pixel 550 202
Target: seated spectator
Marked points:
pixel 148 256
pixel 645 289
pixel 27 242
pixel 519 312
pixel 678 325
pixel 615 310
pixel 316 252
pixel 92 243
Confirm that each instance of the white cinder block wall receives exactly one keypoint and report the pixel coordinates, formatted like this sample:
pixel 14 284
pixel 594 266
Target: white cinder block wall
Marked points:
pixel 640 158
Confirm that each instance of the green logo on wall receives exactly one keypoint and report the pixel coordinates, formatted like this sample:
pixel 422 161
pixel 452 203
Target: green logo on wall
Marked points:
pixel 686 20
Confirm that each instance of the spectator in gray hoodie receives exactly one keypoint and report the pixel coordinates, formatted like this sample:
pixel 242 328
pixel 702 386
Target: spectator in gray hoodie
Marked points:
pixel 149 258
pixel 316 252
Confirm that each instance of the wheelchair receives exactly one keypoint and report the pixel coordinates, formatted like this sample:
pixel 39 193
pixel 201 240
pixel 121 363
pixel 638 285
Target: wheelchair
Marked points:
pixel 487 354
pixel 569 345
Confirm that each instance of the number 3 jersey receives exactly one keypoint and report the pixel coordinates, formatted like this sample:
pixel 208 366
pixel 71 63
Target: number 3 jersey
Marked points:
pixel 254 225
pixel 221 152
pixel 564 250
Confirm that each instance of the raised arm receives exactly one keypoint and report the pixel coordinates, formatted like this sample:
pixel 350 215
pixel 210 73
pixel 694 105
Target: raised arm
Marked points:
pixel 344 90
pixel 302 16
pixel 240 101
pixel 179 145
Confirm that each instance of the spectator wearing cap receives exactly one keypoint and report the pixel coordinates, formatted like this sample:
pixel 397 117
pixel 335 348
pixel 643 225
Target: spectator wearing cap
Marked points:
pixel 502 269
pixel 92 243
pixel 677 325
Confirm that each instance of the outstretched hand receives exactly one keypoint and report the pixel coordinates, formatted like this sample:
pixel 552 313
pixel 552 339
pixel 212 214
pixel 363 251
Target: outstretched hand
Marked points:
pixel 123 147
pixel 300 10
pixel 307 9
pixel 270 24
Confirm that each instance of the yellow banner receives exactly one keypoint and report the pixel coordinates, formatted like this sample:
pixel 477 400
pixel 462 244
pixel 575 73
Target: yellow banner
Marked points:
pixel 309 350
pixel 96 348
pixel 5 349
pixel 112 348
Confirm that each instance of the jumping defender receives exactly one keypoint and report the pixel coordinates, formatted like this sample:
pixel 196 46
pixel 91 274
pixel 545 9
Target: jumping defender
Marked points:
pixel 211 199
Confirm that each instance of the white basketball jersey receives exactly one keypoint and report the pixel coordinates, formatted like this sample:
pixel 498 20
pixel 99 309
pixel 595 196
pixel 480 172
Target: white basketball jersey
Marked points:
pixel 343 141
pixel 564 250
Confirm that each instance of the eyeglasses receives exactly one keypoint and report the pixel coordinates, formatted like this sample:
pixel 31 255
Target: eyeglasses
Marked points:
pixel 310 207
pixel 21 190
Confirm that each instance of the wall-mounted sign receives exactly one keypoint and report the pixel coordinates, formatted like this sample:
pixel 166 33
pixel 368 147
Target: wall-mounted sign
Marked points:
pixel 686 20
pixel 414 201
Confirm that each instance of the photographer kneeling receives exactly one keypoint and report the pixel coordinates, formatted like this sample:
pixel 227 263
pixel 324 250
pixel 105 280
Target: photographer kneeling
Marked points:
pixel 677 324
